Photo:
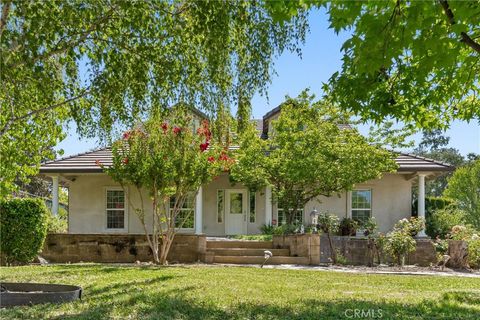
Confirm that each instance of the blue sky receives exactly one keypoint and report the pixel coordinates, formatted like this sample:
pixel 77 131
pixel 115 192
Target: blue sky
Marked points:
pixel 321 57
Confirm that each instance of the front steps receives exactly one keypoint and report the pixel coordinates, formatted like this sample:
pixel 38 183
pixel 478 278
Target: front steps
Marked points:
pixel 249 252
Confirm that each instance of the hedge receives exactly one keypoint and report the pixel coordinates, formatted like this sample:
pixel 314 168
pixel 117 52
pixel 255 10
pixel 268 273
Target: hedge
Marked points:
pixel 432 204
pixel 23 224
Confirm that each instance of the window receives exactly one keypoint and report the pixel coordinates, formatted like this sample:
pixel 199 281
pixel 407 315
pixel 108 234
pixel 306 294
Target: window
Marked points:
pixel 282 217
pixel 186 215
pixel 252 202
pixel 361 205
pixel 115 209
pixel 220 205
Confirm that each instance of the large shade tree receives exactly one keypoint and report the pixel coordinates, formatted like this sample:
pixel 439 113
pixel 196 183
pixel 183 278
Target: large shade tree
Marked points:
pixel 308 154
pixel 105 63
pixel 416 61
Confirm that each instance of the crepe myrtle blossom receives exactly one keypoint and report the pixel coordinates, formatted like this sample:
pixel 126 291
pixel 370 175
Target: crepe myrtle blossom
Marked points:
pixel 204 146
pixel 125 160
pixel 177 130
pixel 164 127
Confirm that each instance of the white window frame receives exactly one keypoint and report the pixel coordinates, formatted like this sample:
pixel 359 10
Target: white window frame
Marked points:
pixel 193 215
pixel 350 196
pixel 223 209
pixel 125 211
pixel 279 222
pixel 254 207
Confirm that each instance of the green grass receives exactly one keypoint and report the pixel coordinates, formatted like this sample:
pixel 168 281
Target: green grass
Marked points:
pixel 206 292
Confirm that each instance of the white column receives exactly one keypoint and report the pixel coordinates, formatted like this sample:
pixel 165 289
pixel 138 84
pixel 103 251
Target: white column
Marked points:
pixel 55 195
pixel 268 205
pixel 199 212
pixel 421 200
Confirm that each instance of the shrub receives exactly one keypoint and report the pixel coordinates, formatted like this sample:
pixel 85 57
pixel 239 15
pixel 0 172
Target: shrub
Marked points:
pixel 370 227
pixel 328 223
pixel 474 251
pixel 443 220
pixel 267 229
pixel 471 236
pixel 23 225
pixel 399 243
pixel 412 225
pixel 285 229
pixel 56 224
pixel 348 227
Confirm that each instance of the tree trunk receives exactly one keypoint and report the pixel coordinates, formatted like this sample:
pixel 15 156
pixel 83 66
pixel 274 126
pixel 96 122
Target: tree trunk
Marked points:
pixel 333 253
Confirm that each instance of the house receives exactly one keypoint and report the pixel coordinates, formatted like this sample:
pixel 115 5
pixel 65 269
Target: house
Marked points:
pixel 98 205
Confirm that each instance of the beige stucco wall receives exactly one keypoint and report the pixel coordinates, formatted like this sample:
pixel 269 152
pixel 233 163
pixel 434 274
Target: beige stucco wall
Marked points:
pixel 391 201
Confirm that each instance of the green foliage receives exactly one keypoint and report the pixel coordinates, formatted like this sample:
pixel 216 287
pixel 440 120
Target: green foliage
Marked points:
pixel 464 188
pixel 267 229
pixel 254 237
pixel 432 204
pixel 416 61
pixel 23 224
pixel 328 223
pixel 107 64
pixel 348 227
pixel 474 252
pixel 307 155
pixel 472 237
pixel 443 220
pixel 285 229
pixel 370 227
pixel 58 224
pixel 170 160
pixel 399 243
pixel 341 259
pixel 412 225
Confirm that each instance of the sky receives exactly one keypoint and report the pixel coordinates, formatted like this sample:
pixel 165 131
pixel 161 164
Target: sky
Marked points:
pixel 321 57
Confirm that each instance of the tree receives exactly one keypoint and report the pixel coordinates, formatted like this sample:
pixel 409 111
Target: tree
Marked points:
pixel 464 188
pixel 168 160
pixel 105 64
pixel 434 145
pixel 416 61
pixel 307 155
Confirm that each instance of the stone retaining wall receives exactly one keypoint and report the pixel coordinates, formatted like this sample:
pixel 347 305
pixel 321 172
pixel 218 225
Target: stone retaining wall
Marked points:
pixel 301 245
pixel 355 250
pixel 120 248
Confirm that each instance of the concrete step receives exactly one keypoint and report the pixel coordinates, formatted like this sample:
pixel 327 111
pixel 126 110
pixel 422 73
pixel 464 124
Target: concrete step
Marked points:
pixel 248 244
pixel 259 260
pixel 248 252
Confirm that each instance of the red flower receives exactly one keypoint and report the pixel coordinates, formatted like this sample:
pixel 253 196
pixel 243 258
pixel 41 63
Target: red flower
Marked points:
pixel 125 160
pixel 223 157
pixel 126 135
pixel 176 130
pixel 204 146
pixel 98 163
pixel 211 159
pixel 164 127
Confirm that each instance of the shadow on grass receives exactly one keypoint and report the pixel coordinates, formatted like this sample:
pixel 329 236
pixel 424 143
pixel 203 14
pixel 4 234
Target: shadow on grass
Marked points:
pixel 151 299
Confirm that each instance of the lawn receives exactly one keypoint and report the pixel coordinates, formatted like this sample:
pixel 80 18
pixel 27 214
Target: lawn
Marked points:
pixel 207 292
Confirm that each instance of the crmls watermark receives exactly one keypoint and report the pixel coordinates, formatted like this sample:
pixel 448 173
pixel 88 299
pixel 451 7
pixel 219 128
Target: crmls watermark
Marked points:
pixel 363 313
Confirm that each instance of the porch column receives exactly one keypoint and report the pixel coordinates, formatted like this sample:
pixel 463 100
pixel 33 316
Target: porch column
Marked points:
pixel 268 205
pixel 55 195
pixel 199 212
pixel 421 200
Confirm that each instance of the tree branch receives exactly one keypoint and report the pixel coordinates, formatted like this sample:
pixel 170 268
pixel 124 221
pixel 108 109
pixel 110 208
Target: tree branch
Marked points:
pixel 451 19
pixel 37 111
pixel 5 11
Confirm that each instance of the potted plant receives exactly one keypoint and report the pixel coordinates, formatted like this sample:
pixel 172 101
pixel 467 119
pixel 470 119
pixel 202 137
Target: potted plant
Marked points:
pixel 348 227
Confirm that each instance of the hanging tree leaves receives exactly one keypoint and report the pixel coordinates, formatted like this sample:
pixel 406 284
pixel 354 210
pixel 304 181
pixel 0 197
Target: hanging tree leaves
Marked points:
pixel 416 61
pixel 105 63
